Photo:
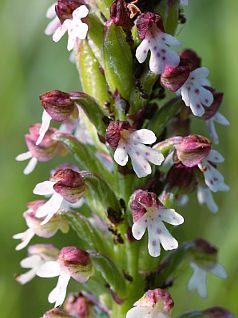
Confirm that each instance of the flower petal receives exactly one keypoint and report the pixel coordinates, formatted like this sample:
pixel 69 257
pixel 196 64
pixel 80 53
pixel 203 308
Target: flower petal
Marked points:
pixel 30 166
pixel 139 227
pixel 80 12
pixel 219 271
pixel 170 40
pixel 219 118
pixel 204 195
pixel 142 51
pixel 171 217
pixel 50 13
pixel 139 312
pixel 167 240
pixel 215 156
pixel 44 188
pixel 50 208
pixel 201 72
pixel 31 261
pixel 24 156
pixel 59 33
pixel 120 155
pixel 25 237
pixel 144 136
pixel 141 166
pixel 212 131
pixel 156 64
pixel 25 278
pixel 59 292
pixel 198 281
pixel 153 239
pixel 49 269
pixel 52 26
pixel 44 126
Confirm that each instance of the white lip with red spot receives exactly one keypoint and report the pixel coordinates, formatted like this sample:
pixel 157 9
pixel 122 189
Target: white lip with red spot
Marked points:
pixel 133 144
pixel 193 92
pixel 213 178
pixel 161 54
pixel 158 234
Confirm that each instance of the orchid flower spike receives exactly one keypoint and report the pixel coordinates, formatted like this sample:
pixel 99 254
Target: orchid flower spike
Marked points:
pixel 77 30
pixel 149 213
pixel 38 255
pixel 71 262
pixel 66 188
pixel 129 142
pixel 151 31
pixel 58 222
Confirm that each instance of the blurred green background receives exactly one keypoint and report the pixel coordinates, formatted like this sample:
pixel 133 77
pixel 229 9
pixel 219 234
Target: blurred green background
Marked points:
pixel 31 64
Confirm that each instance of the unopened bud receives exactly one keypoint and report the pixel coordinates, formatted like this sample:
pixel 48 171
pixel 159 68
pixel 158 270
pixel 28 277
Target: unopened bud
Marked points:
pixel 204 254
pixel 69 184
pixel 193 149
pixel 181 177
pixel 65 8
pixel 174 78
pixel 147 21
pixel 120 15
pixel 76 263
pixel 113 133
pixel 79 306
pixel 191 58
pixel 58 105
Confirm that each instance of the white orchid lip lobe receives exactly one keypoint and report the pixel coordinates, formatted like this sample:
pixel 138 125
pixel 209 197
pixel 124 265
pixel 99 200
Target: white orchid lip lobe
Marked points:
pixel 148 213
pixel 130 142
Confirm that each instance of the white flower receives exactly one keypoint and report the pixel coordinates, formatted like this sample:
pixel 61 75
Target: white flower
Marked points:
pixel 77 30
pixel 204 195
pixel 157 232
pixel 65 269
pixel 213 178
pixel 35 261
pixel 133 144
pixel 145 312
pixel 198 279
pixel 193 92
pixel 220 119
pixel 31 164
pixel 54 204
pixel 161 54
pixel 55 23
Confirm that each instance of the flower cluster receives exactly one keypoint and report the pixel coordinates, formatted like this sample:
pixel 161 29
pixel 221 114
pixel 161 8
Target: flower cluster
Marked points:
pixel 136 157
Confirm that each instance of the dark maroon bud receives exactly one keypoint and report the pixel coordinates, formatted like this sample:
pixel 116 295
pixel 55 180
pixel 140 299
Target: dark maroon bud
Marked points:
pixel 120 14
pixel 174 78
pixel 204 246
pixel 113 133
pixel 191 58
pixel 193 149
pixel 182 177
pixel 217 312
pixel 147 21
pixel 47 148
pixel 58 105
pixel 65 8
pixel 141 200
pixel 213 109
pixel 69 184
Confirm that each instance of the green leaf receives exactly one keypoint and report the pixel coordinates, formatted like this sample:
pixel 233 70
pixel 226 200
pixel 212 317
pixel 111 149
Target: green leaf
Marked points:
pixel 162 117
pixel 93 81
pixel 169 11
pixel 117 61
pixel 110 273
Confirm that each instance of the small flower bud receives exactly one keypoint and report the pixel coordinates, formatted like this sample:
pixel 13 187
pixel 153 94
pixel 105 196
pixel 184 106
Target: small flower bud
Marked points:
pixel 113 133
pixel 65 8
pixel 152 304
pixel 193 149
pixel 174 78
pixel 182 177
pixel 120 14
pixel 56 313
pixel 213 109
pixel 58 105
pixel 141 201
pixel 76 263
pixel 191 58
pixel 147 21
pixel 205 254
pixel 69 184
pixel 48 147
pixel 44 230
pixel 79 306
